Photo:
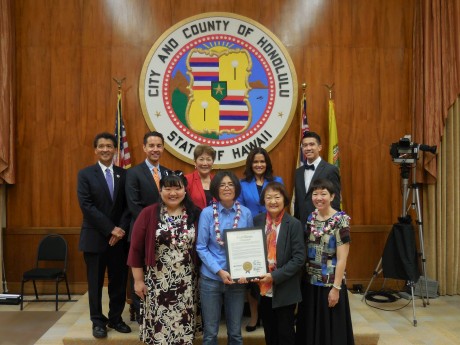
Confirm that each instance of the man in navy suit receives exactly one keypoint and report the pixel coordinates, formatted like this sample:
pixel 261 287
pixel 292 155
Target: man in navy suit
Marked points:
pixel 314 168
pixel 141 187
pixel 101 194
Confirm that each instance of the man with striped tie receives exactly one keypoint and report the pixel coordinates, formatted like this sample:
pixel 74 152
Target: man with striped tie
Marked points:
pixel 101 194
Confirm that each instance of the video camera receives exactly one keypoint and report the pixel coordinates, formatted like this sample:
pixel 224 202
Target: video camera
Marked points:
pixel 406 152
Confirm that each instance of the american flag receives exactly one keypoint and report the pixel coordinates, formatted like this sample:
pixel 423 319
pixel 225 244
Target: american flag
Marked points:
pixel 122 158
pixel 304 127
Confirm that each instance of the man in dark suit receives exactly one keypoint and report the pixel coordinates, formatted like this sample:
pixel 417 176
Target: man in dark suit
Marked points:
pixel 314 168
pixel 142 189
pixel 101 194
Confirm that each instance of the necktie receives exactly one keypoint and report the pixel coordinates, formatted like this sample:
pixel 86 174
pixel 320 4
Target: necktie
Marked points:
pixel 309 167
pixel 108 178
pixel 156 177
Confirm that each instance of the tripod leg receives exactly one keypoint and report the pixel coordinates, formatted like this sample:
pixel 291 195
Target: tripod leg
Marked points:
pixel 377 271
pixel 411 283
pixel 422 247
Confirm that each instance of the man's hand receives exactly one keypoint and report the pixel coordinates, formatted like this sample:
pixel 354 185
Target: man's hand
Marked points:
pixel 117 234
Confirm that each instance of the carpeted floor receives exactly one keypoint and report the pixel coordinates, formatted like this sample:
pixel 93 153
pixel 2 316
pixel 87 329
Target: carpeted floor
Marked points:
pixel 24 328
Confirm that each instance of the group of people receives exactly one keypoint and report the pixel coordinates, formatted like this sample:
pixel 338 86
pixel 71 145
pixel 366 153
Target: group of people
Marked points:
pixel 170 229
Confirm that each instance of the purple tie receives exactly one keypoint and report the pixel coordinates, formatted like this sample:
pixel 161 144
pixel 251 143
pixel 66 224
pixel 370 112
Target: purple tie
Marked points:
pixel 108 178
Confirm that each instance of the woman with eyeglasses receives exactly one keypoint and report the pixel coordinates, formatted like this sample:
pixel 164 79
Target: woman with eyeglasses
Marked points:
pixel 258 173
pixel 324 317
pixel 199 181
pixel 280 287
pixel 164 265
pixel 216 284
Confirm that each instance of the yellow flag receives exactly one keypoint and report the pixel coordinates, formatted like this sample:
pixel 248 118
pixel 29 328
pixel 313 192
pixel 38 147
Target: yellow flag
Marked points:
pixel 333 152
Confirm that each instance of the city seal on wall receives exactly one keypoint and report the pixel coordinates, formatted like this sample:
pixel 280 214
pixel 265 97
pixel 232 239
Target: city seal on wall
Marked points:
pixel 218 79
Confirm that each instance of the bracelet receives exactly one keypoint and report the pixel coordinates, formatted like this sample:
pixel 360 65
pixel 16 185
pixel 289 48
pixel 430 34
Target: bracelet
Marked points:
pixel 337 287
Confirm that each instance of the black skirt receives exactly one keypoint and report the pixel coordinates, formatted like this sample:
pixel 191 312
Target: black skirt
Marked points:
pixel 317 324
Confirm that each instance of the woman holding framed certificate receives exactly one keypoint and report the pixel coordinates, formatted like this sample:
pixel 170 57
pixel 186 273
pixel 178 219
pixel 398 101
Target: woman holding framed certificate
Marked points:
pixel 280 287
pixel 216 283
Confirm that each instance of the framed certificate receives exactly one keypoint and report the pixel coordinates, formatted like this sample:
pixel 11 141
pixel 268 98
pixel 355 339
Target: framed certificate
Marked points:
pixel 246 252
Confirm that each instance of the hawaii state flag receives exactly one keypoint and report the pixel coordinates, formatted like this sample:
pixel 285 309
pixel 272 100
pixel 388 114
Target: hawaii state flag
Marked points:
pixel 122 158
pixel 333 152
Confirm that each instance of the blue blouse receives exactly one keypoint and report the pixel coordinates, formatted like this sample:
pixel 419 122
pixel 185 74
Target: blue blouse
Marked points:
pixel 211 253
pixel 249 196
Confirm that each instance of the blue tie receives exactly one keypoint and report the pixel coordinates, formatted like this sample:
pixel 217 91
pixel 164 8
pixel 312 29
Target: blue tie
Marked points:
pixel 108 178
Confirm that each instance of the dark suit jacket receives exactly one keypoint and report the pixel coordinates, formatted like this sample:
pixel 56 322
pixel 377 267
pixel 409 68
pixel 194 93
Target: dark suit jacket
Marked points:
pixel 303 205
pixel 141 190
pixel 100 213
pixel 290 258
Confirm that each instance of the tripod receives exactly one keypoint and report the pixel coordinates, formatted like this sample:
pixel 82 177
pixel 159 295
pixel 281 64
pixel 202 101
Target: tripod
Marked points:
pixel 415 204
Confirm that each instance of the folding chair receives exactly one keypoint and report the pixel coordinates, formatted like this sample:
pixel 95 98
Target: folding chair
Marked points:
pixel 52 251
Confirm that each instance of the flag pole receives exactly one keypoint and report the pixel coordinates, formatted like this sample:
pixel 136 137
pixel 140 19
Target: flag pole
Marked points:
pixel 329 87
pixel 119 83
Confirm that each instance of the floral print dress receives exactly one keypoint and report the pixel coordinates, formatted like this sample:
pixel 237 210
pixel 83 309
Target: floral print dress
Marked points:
pixel 169 313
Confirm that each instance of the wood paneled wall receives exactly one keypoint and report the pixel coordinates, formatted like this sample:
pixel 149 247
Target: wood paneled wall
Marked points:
pixel 67 53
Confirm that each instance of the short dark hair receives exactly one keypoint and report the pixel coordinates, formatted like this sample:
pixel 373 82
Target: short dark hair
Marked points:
pixel 277 187
pixel 204 149
pixel 312 135
pixel 105 135
pixel 217 180
pixel 153 134
pixel 322 183
pixel 249 173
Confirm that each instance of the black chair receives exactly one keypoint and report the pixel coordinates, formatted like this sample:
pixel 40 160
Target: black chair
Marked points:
pixel 51 264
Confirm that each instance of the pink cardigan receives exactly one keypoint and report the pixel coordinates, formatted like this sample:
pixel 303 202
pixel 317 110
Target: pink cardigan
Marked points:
pixel 142 248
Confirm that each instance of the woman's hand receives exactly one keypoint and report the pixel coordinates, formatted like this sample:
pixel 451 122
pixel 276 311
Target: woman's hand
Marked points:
pixel 333 297
pixel 265 278
pixel 140 289
pixel 243 280
pixel 225 276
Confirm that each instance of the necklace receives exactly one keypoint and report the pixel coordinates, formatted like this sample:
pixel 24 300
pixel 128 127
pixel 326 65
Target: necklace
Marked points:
pixel 216 220
pixel 330 223
pixel 182 237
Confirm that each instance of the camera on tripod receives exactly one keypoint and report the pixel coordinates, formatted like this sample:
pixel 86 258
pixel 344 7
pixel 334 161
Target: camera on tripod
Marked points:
pixel 405 151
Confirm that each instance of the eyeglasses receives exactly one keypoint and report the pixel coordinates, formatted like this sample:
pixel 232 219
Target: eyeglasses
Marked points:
pixel 226 185
pixel 174 173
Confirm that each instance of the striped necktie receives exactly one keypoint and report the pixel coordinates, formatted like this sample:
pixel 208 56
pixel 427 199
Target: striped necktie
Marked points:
pixel 156 177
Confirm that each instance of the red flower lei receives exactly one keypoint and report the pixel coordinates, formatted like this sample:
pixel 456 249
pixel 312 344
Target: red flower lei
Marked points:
pixel 330 223
pixel 217 224
pixel 168 221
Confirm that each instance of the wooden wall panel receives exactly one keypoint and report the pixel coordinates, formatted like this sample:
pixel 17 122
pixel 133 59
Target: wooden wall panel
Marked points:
pixel 67 53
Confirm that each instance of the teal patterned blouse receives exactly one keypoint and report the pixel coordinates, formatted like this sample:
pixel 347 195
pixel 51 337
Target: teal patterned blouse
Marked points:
pixel 322 245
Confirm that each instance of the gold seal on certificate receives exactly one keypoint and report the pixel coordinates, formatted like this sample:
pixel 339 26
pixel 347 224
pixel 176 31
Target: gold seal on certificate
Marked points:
pixel 247 267
pixel 246 252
